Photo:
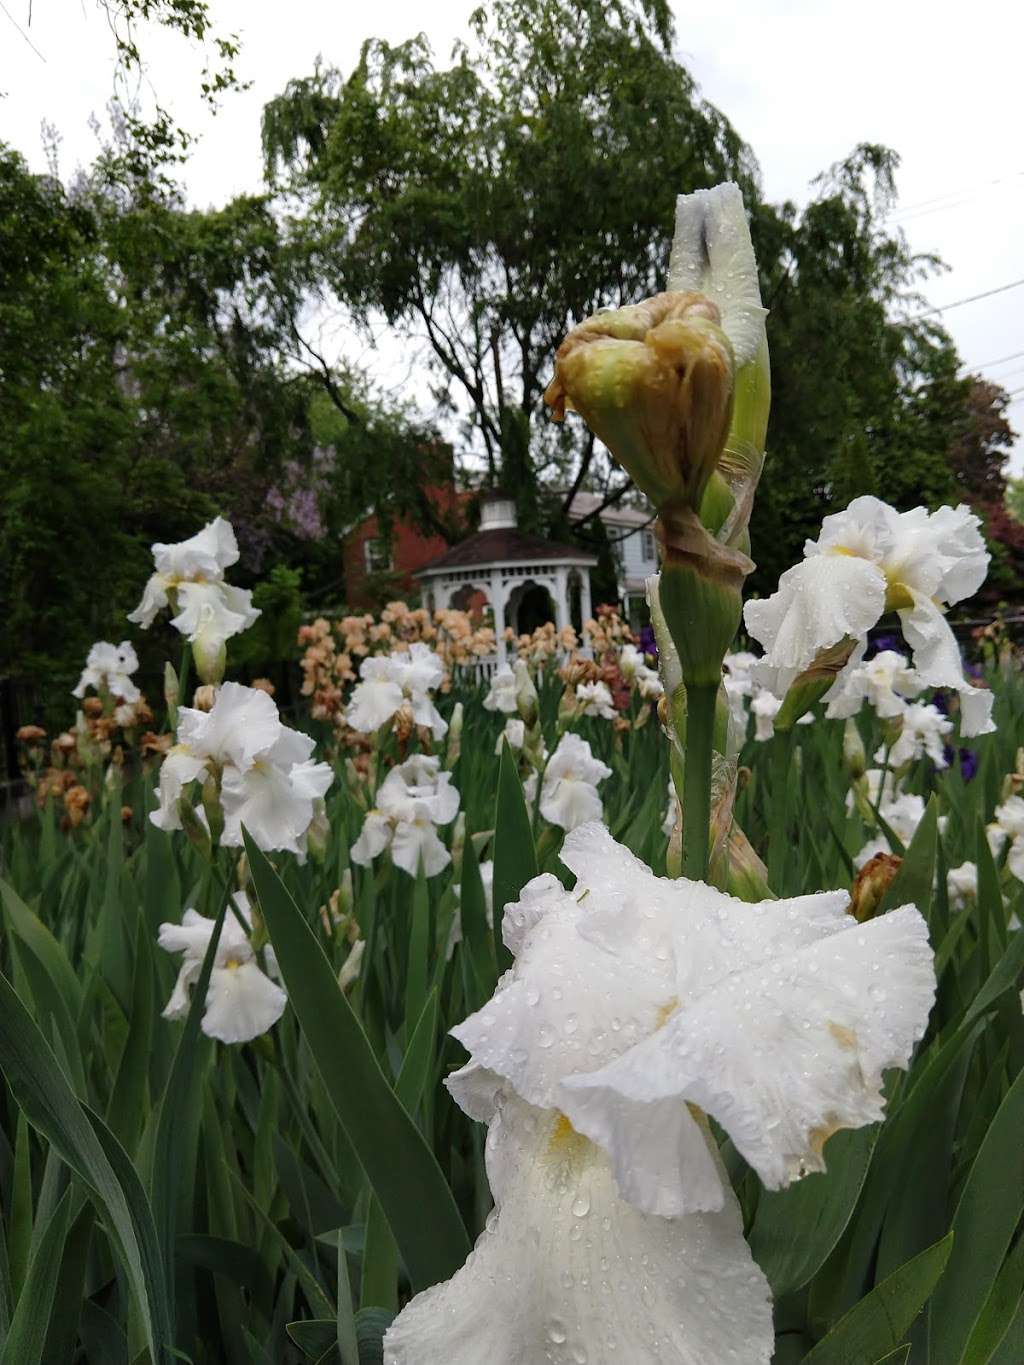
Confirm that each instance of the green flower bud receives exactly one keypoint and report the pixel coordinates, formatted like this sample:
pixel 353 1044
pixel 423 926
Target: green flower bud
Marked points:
pixel 454 738
pixel 211 657
pixel 854 756
pixel 212 807
pixel 195 831
pixel 527 701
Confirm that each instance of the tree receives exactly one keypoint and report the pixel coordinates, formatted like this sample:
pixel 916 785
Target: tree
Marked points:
pixel 978 453
pixel 147 357
pixel 980 448
pixel 487 206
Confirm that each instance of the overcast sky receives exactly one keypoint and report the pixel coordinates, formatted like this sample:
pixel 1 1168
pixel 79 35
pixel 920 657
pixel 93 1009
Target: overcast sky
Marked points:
pixel 801 81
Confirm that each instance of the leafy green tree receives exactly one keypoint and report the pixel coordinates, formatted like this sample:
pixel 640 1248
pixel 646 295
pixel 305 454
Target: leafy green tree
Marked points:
pixel 862 402
pixel 486 206
pixel 152 377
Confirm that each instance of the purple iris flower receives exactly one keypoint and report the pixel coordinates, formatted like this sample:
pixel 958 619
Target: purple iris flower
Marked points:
pixel 968 761
pixel 880 643
pixel 648 644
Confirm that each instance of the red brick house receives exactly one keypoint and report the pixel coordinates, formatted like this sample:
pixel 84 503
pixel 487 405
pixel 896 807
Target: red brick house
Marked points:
pixel 373 566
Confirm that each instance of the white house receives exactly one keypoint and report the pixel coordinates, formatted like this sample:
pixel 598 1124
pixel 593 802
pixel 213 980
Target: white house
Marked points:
pixel 631 534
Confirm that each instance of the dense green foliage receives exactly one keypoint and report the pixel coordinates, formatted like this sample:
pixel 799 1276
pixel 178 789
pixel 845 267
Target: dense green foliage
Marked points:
pixel 487 206
pixel 158 365
pixel 245 1202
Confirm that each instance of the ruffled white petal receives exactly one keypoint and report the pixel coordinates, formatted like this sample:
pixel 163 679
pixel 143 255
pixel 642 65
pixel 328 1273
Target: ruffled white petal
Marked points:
pixel 923 730
pixel 514 732
pixel 204 613
pixel 566 1271
pixel 205 555
pixel 566 1005
pixel 178 1002
pixel 595 699
pixel 373 703
pixel 938 663
pixel 574 758
pixel 154 599
pixel 425 713
pixel 1010 816
pixel 241 1003
pixel 242 725
pixel 374 837
pixel 263 798
pixel 179 767
pixel 569 802
pixel 785 1053
pixel 415 843
pixel 818 602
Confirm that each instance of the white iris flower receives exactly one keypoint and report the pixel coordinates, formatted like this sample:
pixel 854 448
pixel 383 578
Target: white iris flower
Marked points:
pixel 514 732
pixel 870 559
pixel 637 672
pixel 241 1002
pixel 109 668
pixel 886 682
pixel 1009 826
pixel 962 885
pixel 189 578
pixel 268 780
pixel 923 731
pixel 413 800
pixel 595 699
pixel 568 794
pixel 502 693
pixel 389 682
pixel 635 1006
pixel 902 814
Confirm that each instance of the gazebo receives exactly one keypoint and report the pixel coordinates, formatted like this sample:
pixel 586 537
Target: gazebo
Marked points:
pixel 526 579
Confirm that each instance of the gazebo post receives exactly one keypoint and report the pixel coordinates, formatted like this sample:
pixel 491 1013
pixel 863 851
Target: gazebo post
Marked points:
pixel 585 608
pixel 497 595
pixel 561 598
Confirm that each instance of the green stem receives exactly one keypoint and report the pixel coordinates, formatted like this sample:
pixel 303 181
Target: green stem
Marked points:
pixel 700 734
pixel 778 823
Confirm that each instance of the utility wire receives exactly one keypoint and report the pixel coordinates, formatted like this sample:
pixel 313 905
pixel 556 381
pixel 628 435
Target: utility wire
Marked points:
pixel 22 31
pixel 988 364
pixel 973 298
pixel 939 203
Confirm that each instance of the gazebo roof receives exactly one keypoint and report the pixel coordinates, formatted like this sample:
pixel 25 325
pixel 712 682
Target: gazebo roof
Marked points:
pixel 505 545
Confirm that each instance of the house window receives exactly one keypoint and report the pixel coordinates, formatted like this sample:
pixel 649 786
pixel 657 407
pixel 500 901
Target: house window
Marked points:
pixel 376 555
pixel 648 548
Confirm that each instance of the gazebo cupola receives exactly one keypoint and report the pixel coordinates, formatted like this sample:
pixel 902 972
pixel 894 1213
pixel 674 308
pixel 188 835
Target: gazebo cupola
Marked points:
pixel 525 578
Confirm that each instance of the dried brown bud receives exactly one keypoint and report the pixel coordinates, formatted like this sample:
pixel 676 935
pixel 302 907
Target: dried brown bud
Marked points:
pixel 151 743
pixel 76 803
pixel 577 671
pixel 871 884
pixel 30 734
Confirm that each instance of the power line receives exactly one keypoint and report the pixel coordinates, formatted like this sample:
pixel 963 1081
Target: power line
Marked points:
pixel 973 298
pixel 988 364
pixel 22 31
pixel 958 196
